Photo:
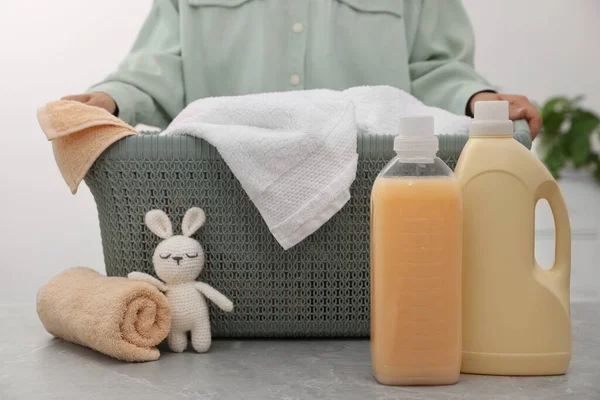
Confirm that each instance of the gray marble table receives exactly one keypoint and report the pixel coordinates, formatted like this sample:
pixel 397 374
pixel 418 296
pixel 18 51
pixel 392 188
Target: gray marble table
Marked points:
pixel 35 366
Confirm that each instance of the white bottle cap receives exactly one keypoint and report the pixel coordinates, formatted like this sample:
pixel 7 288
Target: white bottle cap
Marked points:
pixel 491 118
pixel 417 140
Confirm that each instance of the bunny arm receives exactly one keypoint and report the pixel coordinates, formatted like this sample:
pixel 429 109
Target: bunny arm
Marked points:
pixel 215 296
pixel 140 276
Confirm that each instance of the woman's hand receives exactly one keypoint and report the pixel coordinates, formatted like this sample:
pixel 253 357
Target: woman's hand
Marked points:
pixel 97 99
pixel 519 108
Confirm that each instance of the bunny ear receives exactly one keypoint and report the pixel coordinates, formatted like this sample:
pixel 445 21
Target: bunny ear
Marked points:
pixel 193 220
pixel 159 223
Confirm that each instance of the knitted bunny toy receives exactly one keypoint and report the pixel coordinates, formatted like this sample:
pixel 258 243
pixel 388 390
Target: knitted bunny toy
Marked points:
pixel 178 261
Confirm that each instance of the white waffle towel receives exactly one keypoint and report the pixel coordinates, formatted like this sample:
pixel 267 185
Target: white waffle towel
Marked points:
pixel 294 153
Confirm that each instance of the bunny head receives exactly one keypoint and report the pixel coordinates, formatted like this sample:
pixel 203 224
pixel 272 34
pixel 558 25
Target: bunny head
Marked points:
pixel 178 258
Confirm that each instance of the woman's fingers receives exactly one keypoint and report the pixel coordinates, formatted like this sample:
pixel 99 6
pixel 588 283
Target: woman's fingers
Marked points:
pixel 535 120
pixel 521 108
pixel 96 99
pixel 82 98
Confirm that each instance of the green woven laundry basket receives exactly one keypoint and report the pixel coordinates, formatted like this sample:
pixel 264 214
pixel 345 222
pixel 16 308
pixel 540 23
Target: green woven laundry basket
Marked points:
pixel 319 288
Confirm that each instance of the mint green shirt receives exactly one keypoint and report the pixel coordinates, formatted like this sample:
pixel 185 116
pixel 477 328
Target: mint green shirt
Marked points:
pixel 191 49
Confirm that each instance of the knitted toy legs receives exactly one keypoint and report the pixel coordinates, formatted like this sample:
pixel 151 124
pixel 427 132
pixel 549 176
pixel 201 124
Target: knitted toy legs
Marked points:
pixel 177 341
pixel 201 337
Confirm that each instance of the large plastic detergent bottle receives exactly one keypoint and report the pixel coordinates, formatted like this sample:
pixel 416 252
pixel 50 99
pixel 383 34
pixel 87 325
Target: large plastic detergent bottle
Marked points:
pixel 415 263
pixel 516 318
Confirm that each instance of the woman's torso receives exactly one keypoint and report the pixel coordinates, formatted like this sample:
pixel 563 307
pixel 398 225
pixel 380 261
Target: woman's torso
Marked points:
pixel 234 47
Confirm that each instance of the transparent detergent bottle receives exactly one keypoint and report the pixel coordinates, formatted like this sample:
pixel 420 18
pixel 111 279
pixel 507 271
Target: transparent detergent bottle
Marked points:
pixel 416 242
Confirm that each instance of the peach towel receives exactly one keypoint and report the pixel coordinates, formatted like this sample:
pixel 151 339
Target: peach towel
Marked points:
pixel 79 135
pixel 121 318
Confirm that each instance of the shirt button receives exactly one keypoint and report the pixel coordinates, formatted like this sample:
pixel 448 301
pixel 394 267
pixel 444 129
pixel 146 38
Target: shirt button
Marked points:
pixel 297 27
pixel 294 79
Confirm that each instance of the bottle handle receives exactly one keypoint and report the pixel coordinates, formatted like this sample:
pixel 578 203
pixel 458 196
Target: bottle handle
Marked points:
pixel 561 270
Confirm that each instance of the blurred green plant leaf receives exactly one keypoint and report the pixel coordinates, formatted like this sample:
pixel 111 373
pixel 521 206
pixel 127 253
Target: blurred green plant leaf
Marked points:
pixel 584 123
pixel 555 160
pixel 566 135
pixel 554 105
pixel 579 149
pixel 552 123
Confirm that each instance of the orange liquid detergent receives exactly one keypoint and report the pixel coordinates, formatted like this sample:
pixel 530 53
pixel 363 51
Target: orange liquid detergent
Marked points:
pixel 416 236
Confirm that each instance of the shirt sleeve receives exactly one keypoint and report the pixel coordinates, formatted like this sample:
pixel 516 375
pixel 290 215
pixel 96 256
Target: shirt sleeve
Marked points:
pixel 148 84
pixel 441 62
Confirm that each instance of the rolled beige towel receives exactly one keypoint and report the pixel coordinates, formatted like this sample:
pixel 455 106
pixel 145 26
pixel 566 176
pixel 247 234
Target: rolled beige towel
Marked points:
pixel 116 316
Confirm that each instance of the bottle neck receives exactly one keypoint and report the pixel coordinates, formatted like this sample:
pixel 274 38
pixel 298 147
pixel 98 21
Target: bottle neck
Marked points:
pixel 491 128
pixel 492 136
pixel 416 149
pixel 425 158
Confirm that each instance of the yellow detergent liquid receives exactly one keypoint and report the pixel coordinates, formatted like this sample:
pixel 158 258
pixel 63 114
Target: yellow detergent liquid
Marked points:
pixel 516 317
pixel 415 264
